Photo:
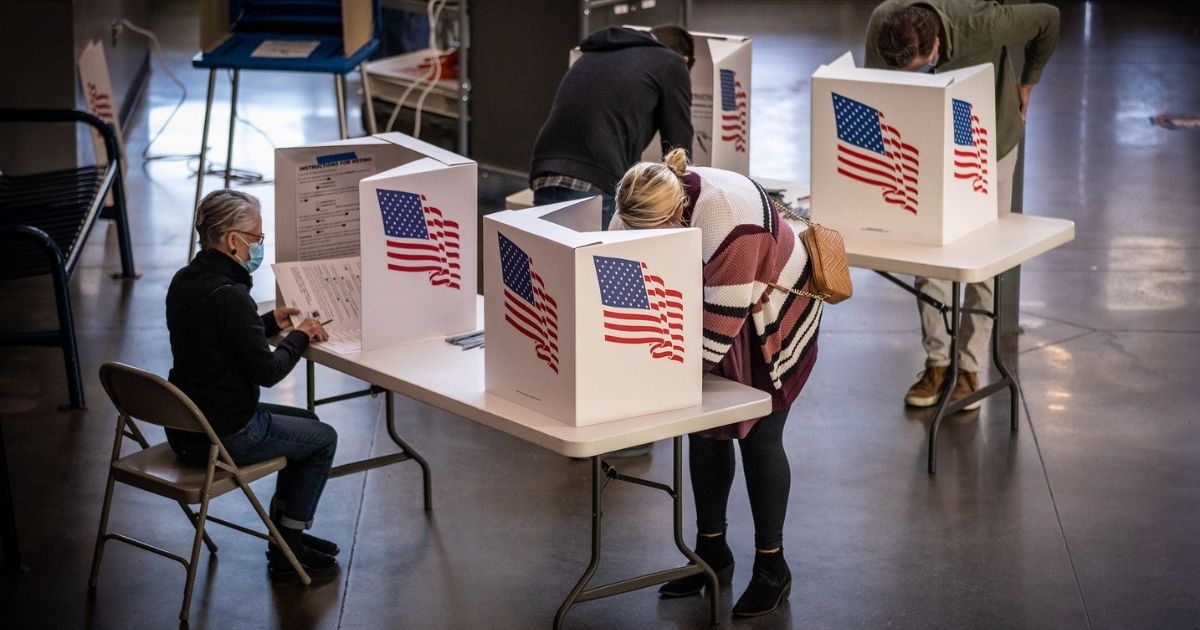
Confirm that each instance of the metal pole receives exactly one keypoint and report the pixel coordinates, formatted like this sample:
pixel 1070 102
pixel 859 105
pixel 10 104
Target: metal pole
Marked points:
pixel 237 75
pixel 200 170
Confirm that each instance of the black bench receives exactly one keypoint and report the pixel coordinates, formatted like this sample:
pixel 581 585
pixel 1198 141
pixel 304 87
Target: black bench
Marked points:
pixel 45 219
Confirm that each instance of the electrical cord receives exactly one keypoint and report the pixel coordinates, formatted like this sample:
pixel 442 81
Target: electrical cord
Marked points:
pixel 433 55
pixel 162 61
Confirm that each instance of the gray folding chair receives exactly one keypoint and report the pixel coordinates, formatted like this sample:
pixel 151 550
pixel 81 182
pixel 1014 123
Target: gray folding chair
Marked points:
pixel 157 469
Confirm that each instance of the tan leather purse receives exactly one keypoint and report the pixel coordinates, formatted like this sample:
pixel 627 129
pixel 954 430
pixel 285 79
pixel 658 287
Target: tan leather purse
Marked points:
pixel 827 252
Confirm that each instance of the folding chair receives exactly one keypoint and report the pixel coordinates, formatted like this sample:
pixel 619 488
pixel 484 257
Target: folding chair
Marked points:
pixel 157 469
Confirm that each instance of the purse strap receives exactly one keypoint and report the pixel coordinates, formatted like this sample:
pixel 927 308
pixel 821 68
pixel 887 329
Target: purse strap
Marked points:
pixel 816 296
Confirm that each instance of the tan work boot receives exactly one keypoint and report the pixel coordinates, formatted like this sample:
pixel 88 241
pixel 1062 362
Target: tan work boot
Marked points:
pixel 967 383
pixel 925 392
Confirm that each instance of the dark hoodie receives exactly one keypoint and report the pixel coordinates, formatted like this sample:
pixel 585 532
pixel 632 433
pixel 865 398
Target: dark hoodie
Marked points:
pixel 624 88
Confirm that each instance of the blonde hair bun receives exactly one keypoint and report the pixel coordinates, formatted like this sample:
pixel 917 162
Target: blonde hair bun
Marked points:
pixel 677 161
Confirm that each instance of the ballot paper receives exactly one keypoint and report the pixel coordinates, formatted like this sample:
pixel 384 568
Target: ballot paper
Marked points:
pixel 327 291
pixel 285 49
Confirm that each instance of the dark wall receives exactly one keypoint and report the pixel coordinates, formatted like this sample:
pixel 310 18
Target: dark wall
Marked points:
pixel 518 55
pixel 40 44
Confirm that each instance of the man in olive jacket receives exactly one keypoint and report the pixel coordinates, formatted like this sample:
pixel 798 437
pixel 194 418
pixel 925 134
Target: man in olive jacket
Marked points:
pixel 940 35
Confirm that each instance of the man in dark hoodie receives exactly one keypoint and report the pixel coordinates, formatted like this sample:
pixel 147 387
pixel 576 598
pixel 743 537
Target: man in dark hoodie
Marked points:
pixel 627 86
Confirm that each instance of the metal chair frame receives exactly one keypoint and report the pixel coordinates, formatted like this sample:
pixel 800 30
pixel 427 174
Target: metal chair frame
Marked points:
pixel 152 391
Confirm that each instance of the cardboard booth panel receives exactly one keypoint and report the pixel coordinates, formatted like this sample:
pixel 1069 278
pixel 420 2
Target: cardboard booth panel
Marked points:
pixel 903 156
pixel 588 326
pixel 418 226
pixel 317 196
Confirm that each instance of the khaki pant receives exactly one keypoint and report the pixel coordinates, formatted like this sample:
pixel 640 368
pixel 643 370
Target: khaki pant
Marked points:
pixel 976 330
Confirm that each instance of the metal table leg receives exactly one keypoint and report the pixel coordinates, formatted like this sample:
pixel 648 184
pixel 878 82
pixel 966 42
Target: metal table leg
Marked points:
pixel 581 593
pixel 944 400
pixel 369 124
pixel 237 75
pixel 339 86
pixel 212 83
pixel 406 452
pixel 1014 396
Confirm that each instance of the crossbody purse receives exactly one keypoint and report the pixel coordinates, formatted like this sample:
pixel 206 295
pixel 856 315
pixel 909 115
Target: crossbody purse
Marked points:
pixel 827 253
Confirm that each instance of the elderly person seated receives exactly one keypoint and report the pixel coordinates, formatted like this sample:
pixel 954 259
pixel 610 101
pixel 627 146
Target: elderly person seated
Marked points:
pixel 221 359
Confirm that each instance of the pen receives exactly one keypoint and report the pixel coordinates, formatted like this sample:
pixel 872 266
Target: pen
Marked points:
pixel 327 321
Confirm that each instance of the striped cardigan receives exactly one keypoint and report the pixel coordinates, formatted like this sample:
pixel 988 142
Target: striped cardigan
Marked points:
pixel 747 248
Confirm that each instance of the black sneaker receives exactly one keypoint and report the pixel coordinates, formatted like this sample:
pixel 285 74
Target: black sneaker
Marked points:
pixel 314 562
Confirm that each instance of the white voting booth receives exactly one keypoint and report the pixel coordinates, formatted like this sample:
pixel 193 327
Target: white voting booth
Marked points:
pixel 401 213
pixel 588 326
pixel 903 156
pixel 720 103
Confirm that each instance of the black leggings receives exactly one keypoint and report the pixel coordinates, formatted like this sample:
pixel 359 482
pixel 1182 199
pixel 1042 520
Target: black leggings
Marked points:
pixel 768 479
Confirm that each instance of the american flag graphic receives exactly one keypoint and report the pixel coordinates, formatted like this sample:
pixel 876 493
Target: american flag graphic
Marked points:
pixel 639 308
pixel 734 117
pixel 970 147
pixel 419 239
pixel 872 152
pixel 99 103
pixel 527 306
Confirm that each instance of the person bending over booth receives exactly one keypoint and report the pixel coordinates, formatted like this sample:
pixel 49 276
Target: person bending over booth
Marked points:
pixel 939 35
pixel 760 329
pixel 221 359
pixel 628 85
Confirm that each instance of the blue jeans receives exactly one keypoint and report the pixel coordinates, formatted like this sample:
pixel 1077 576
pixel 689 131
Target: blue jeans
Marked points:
pixel 275 431
pixel 558 194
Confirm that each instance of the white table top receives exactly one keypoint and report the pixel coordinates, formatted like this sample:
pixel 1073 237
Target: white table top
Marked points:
pixel 982 254
pixel 450 378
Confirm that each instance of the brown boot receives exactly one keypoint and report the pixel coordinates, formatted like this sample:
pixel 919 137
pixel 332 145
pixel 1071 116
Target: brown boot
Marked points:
pixel 968 383
pixel 925 392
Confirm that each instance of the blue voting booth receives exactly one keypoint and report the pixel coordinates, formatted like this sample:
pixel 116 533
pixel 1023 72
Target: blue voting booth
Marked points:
pixel 330 36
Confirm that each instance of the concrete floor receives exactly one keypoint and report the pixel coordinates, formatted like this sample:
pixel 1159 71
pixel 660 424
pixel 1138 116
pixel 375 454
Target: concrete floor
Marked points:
pixel 1085 518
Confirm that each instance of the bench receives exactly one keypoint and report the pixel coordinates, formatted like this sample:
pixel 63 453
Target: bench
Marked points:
pixel 45 219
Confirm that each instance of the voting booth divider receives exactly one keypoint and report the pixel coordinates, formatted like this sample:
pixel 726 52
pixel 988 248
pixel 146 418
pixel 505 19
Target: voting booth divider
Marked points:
pixel 319 29
pixel 903 156
pixel 407 209
pixel 587 326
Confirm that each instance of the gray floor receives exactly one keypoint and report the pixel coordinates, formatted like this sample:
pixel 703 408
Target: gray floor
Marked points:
pixel 1085 518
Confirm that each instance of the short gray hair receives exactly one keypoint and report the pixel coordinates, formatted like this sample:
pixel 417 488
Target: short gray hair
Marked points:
pixel 224 211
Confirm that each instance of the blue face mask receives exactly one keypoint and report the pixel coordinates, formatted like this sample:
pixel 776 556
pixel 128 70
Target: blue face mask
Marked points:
pixel 256 251
pixel 928 68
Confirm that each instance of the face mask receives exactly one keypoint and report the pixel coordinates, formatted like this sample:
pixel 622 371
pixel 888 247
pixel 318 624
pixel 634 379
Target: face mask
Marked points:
pixel 928 68
pixel 256 256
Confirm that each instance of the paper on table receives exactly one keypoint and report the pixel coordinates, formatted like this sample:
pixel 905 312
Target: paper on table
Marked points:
pixel 326 290
pixel 285 49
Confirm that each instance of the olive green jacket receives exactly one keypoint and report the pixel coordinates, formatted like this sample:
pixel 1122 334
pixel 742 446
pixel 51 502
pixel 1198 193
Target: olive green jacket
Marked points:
pixel 977 32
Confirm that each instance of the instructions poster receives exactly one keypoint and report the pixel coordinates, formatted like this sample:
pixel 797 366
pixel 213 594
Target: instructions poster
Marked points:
pixel 327 205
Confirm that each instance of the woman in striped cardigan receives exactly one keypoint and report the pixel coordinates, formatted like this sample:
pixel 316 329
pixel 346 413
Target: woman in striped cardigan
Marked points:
pixel 760 329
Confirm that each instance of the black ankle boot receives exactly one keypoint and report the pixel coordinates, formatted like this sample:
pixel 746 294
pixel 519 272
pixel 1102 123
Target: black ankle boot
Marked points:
pixel 716 554
pixel 314 562
pixel 769 586
pixel 327 547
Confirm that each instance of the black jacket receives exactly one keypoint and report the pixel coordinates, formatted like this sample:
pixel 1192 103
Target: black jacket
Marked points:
pixel 219 341
pixel 624 88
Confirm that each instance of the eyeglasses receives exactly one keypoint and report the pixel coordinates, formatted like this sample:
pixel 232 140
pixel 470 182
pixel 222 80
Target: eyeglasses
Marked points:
pixel 259 239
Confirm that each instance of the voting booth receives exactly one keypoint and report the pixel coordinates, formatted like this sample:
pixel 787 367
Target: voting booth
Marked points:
pixel 314 30
pixel 903 156
pixel 588 326
pixel 720 103
pixel 404 208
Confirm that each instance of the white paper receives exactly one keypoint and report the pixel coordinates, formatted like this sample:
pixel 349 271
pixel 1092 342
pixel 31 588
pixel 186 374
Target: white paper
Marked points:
pixel 327 204
pixel 285 49
pixel 326 290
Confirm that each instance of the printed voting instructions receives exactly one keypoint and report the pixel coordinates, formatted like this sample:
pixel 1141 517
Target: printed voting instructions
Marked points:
pixel 327 291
